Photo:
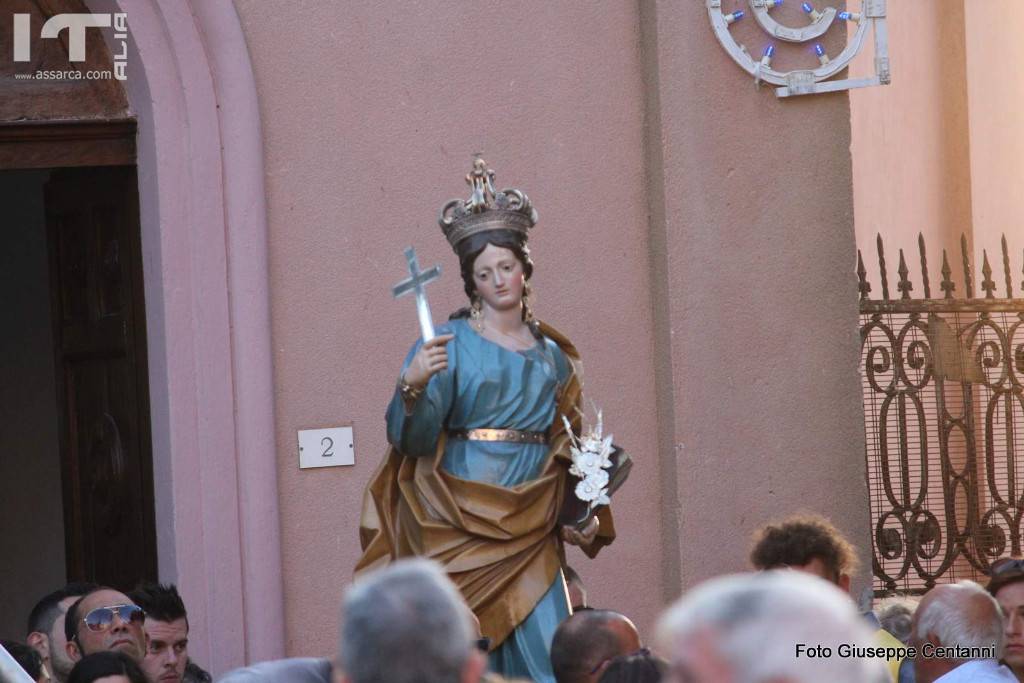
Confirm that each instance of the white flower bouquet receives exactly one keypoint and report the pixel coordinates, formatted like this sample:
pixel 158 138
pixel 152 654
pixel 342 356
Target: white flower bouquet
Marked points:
pixel 592 458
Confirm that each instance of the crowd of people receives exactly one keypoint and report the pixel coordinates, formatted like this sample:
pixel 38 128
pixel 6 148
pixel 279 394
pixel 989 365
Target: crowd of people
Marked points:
pixel 84 632
pixel 790 620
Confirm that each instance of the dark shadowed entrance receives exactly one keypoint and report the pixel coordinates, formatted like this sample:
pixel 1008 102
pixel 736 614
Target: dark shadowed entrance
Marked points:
pixel 76 480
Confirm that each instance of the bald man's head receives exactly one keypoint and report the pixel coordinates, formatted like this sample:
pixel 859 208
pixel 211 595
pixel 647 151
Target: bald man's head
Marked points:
pixel 587 641
pixel 956 615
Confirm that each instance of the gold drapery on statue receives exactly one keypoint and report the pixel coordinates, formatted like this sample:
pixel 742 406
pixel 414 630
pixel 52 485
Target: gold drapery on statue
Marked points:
pixel 499 545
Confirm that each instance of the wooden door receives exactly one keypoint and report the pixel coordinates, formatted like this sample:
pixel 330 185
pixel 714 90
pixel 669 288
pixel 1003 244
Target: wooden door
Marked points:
pixel 102 383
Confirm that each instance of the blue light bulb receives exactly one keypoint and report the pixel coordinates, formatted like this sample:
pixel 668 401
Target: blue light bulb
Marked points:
pixel 774 3
pixel 845 16
pixel 735 16
pixel 807 7
pixel 769 51
pixel 819 50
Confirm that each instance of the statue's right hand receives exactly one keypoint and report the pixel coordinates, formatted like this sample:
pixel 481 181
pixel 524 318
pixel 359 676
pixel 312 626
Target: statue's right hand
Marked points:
pixel 431 359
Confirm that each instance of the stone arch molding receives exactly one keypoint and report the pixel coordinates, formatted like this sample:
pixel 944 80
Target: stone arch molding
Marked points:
pixel 204 241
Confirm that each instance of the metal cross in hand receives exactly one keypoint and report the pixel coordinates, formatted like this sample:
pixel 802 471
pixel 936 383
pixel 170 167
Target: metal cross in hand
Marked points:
pixel 417 279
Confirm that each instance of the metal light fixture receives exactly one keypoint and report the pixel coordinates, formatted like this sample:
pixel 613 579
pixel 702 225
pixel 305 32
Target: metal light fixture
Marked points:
pixel 810 80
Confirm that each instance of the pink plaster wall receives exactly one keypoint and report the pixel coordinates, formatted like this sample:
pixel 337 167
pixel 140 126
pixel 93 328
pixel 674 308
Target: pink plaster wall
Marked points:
pixel 939 151
pixel 371 116
pixel 995 94
pixel 693 236
pixel 911 144
pixel 756 300
pixel 203 217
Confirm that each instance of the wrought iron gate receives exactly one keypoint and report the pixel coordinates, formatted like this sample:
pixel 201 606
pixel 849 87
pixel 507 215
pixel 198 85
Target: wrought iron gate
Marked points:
pixel 944 421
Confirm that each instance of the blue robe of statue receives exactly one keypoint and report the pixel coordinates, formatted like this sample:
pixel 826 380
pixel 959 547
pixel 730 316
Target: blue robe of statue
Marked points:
pixel 489 386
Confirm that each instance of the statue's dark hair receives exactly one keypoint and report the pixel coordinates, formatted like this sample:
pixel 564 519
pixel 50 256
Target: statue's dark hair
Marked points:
pixel 470 248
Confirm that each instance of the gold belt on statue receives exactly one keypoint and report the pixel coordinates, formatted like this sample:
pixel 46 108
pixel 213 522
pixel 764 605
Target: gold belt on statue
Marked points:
pixel 511 435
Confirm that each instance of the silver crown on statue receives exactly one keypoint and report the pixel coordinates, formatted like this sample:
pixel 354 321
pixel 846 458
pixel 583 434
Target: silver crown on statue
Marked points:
pixel 485 209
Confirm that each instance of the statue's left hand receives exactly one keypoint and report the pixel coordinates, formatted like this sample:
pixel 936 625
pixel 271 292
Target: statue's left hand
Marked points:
pixel 581 538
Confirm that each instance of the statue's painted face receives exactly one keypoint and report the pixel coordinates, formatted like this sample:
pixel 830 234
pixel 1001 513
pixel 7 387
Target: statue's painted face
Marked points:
pixel 499 278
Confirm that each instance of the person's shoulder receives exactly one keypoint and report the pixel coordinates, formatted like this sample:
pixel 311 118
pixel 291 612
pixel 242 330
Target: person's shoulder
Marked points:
pixel 459 327
pixel 551 343
pixel 978 670
pixel 195 674
pixel 886 639
pixel 556 338
pixel 555 349
pixel 295 669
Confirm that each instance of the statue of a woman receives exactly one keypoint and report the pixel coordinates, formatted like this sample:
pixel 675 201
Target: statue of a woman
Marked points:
pixel 475 476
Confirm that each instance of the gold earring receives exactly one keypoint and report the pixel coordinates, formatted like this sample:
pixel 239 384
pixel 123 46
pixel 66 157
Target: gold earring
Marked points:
pixel 477 315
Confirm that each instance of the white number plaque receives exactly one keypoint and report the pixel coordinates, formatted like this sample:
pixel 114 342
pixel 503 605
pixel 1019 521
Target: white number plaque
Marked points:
pixel 326 447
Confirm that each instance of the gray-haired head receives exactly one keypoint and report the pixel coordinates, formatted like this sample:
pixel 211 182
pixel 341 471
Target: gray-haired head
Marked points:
pixel 752 628
pixel 960 614
pixel 895 616
pixel 405 623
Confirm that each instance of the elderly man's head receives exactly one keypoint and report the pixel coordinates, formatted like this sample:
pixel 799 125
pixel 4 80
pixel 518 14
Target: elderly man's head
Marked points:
pixel 895 616
pixel 585 643
pixel 755 628
pixel 406 623
pixel 958 615
pixel 105 619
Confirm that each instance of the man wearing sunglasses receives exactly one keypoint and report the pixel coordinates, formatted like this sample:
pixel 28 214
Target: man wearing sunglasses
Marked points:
pixel 1006 585
pixel 105 619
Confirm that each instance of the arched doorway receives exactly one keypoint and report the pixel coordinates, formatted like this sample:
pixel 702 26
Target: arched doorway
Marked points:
pixel 203 245
pixel 76 478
